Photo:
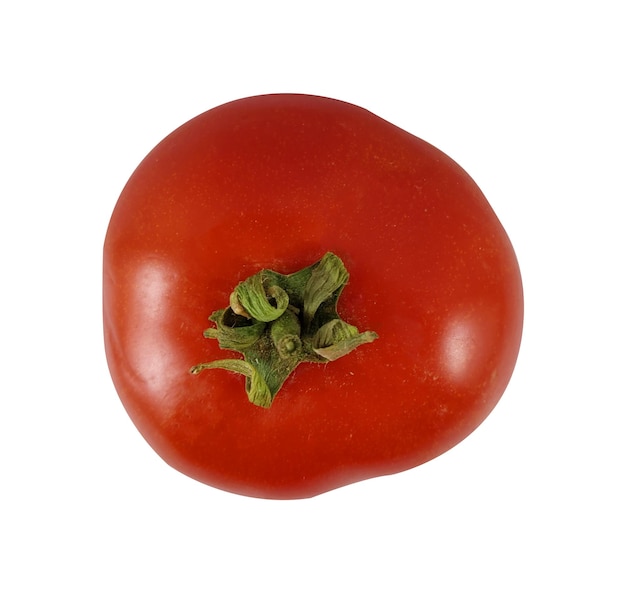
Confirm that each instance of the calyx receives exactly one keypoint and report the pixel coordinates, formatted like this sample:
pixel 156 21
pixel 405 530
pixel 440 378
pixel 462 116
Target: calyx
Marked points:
pixel 278 321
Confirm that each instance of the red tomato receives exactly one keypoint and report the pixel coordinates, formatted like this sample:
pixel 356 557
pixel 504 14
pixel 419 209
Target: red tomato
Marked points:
pixel 274 182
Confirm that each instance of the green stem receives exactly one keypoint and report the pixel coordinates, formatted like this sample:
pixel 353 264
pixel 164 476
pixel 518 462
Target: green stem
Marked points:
pixel 278 321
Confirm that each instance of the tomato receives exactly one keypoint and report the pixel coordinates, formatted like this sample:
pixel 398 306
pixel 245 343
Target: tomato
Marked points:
pixel 263 188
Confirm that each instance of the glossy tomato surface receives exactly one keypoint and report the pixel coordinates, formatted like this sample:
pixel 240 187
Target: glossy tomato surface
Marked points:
pixel 275 182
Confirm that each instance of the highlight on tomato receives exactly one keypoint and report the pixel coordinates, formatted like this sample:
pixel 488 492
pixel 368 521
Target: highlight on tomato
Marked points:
pixel 299 295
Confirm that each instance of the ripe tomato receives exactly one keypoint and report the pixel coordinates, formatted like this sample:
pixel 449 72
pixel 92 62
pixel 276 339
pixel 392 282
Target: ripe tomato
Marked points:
pixel 273 183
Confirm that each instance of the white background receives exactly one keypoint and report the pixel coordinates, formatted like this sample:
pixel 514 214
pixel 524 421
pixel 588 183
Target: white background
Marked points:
pixel 528 97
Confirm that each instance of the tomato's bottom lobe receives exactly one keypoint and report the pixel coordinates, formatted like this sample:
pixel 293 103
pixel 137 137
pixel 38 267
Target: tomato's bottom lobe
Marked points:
pixel 273 183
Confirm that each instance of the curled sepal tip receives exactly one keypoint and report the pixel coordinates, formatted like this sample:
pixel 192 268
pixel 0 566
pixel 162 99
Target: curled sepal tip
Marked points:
pixel 338 338
pixel 233 331
pixel 327 278
pixel 256 299
pixel 256 388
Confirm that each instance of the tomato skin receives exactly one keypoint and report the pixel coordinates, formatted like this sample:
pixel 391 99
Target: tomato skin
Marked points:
pixel 274 182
